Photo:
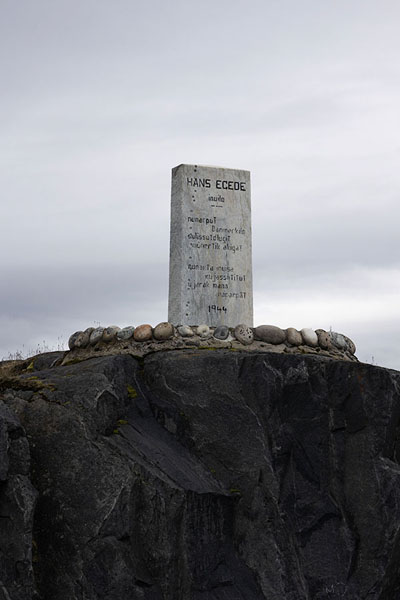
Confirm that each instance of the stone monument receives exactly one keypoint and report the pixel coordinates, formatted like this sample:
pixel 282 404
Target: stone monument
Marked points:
pixel 210 271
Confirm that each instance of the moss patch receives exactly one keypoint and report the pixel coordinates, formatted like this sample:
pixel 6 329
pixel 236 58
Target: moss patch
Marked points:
pixel 132 393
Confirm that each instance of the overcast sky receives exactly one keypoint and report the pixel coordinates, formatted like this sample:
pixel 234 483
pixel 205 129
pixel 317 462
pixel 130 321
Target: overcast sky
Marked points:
pixel 101 98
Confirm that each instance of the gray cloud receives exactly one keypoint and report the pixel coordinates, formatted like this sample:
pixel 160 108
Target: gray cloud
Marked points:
pixel 43 305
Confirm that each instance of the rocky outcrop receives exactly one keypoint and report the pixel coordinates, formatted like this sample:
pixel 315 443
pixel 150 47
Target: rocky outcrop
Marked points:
pixel 208 475
pixel 17 504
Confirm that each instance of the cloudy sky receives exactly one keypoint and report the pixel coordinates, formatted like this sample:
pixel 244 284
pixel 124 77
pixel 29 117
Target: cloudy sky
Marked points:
pixel 101 98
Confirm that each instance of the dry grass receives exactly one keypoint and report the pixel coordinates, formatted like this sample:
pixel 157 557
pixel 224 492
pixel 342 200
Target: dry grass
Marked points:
pixel 10 376
pixel 41 348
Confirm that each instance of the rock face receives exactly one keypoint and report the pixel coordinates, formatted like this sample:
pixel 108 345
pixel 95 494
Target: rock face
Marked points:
pixel 202 475
pixel 17 504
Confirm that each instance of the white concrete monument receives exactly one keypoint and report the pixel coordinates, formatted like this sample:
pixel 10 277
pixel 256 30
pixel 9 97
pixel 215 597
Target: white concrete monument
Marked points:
pixel 210 271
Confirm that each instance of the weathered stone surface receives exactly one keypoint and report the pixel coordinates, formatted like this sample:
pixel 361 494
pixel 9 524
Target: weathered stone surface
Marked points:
pixel 221 332
pixel 210 276
pixel 139 348
pixel 110 333
pixel 203 331
pixel 43 361
pixel 185 331
pixel 83 338
pixel 73 338
pixel 293 336
pixel 350 345
pixel 193 475
pixel 309 337
pixel 143 333
pixel 126 333
pixel 338 340
pixel 270 334
pixel 17 505
pixel 324 339
pixel 244 334
pixel 163 331
pixel 96 335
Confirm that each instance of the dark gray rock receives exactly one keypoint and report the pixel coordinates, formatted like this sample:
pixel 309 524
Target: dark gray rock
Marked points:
pixel 17 504
pixel 221 332
pixel 214 475
pixel 43 361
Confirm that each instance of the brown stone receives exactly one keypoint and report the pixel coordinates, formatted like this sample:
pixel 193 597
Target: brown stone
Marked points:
pixel 143 333
pixel 163 331
pixel 324 339
pixel 293 336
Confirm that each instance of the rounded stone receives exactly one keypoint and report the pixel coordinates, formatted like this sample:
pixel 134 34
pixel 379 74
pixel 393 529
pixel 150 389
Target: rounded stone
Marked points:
pixel 143 333
pixel 110 333
pixel 270 334
pixel 163 331
pixel 244 334
pixel 338 340
pixel 73 338
pixel 96 335
pixel 126 333
pixel 221 332
pixel 293 336
pixel 185 331
pixel 83 338
pixel 203 331
pixel 351 347
pixel 324 339
pixel 309 336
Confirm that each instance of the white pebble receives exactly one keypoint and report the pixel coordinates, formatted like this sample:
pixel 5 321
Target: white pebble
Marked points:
pixel 203 331
pixel 310 338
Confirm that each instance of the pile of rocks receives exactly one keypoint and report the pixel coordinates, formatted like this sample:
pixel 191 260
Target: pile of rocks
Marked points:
pixel 145 339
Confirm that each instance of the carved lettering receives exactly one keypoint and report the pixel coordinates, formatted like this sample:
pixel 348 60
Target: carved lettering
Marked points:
pixel 210 263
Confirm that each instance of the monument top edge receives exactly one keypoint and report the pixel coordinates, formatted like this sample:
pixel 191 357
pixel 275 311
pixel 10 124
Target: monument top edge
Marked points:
pixel 209 167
